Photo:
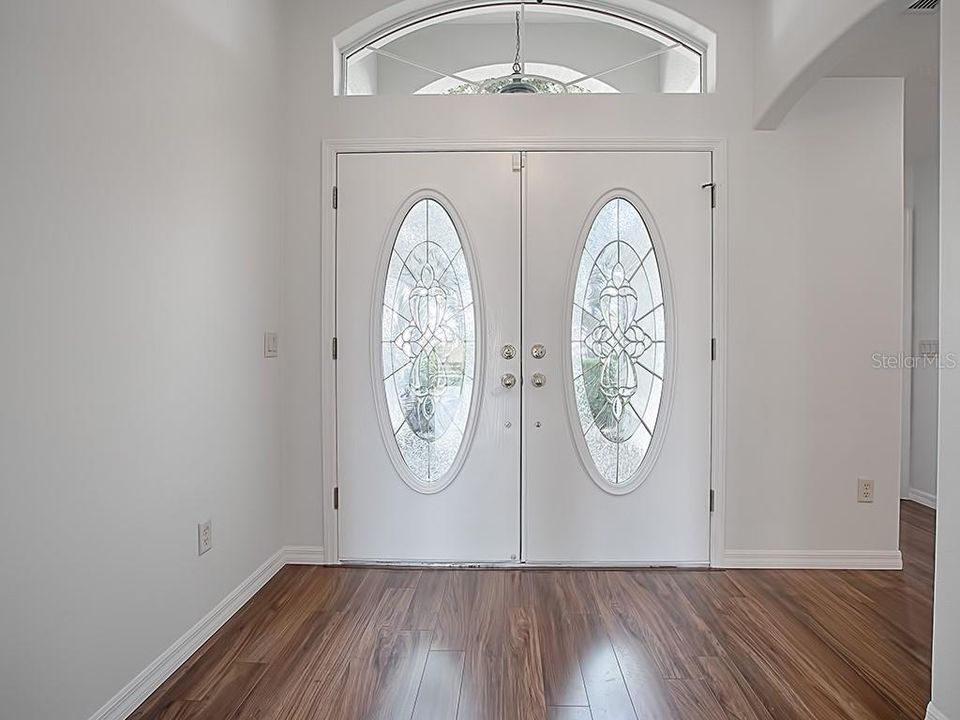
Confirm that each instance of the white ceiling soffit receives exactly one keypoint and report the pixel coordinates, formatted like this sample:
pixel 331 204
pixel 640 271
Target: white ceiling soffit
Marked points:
pixel 790 64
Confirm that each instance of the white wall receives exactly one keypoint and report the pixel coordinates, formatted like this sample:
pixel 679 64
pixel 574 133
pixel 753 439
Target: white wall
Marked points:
pixel 795 41
pixel 815 218
pixel 946 619
pixel 816 276
pixel 926 299
pixel 139 267
pixel 907 45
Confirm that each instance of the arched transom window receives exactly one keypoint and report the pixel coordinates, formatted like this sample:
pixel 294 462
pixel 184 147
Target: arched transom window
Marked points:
pixel 524 47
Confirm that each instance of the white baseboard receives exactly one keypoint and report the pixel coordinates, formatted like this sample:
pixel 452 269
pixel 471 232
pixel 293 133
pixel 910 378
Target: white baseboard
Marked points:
pixel 924 498
pixel 934 714
pixel 813 559
pixel 303 555
pixel 140 688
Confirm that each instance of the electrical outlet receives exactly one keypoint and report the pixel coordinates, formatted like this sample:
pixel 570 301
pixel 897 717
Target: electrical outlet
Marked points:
pixel 271 347
pixel 864 490
pixel 204 537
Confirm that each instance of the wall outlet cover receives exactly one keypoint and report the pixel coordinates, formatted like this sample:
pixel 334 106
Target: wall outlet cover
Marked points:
pixel 864 490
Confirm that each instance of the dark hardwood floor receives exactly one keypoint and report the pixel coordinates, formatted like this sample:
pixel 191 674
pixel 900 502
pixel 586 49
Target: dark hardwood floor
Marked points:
pixel 321 642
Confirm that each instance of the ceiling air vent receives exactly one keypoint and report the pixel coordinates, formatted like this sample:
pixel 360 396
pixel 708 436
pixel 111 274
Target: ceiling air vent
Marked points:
pixel 924 6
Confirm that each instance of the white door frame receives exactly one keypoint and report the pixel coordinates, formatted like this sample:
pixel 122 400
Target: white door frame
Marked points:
pixel 328 294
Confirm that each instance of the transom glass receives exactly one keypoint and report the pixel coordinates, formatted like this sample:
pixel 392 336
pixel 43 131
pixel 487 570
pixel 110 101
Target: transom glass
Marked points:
pixel 561 46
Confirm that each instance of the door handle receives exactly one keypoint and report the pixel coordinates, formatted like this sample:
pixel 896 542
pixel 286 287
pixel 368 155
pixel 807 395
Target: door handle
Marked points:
pixel 538 380
pixel 508 380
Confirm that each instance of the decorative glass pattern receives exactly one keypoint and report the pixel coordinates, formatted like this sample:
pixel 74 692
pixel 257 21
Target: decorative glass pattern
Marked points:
pixel 428 341
pixel 618 341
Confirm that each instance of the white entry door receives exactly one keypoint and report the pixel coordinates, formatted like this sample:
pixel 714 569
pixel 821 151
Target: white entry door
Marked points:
pixel 617 357
pixel 581 346
pixel 428 391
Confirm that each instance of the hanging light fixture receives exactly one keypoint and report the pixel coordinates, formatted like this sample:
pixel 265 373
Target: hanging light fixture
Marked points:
pixel 519 82
pixel 517 85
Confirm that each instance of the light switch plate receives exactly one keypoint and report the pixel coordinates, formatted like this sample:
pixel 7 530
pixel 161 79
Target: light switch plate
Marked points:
pixel 271 347
pixel 204 537
pixel 929 348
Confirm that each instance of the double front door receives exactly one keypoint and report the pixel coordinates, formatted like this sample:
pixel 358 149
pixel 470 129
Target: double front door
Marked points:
pixel 524 366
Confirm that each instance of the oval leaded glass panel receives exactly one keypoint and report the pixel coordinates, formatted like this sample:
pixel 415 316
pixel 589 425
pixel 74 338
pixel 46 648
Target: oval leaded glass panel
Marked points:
pixel 428 342
pixel 618 341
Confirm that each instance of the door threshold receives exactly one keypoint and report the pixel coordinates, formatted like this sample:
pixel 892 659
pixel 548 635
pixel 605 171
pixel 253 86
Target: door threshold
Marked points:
pixel 513 565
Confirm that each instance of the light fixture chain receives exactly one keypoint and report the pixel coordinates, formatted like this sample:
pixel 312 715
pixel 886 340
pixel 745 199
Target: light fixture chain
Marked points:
pixel 517 69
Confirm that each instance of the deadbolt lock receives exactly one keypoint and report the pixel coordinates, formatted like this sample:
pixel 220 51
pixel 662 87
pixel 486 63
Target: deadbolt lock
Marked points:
pixel 538 351
pixel 509 352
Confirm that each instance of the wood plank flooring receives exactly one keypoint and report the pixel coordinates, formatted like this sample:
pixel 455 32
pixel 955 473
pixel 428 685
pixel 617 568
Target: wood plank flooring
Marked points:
pixel 352 643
